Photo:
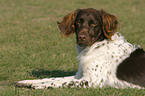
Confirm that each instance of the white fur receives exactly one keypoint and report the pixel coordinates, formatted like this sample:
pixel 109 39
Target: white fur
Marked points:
pixel 97 67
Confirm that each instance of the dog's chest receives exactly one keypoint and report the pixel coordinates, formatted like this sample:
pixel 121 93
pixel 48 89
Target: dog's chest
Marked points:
pixel 99 62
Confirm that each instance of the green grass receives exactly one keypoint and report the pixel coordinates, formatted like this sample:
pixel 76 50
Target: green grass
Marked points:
pixel 31 46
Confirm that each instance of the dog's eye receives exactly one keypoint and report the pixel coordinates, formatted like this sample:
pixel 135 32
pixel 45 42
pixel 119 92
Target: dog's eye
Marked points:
pixel 80 21
pixel 92 23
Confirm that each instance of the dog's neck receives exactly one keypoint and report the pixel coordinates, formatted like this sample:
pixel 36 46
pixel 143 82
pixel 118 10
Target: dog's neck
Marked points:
pixel 80 48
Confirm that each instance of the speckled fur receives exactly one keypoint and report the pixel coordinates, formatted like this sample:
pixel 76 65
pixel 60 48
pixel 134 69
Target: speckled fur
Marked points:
pixel 97 67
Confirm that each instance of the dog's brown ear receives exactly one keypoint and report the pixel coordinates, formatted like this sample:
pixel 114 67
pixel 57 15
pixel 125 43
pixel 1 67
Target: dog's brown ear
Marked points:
pixel 109 24
pixel 67 25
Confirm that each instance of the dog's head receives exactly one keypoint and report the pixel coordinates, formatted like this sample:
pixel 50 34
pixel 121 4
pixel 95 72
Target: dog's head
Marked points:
pixel 89 25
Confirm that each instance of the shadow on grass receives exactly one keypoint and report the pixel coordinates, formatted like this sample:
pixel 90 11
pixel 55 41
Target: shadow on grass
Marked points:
pixel 40 73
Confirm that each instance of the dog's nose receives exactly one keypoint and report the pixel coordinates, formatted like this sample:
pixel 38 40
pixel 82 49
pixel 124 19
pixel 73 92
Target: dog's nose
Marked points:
pixel 82 37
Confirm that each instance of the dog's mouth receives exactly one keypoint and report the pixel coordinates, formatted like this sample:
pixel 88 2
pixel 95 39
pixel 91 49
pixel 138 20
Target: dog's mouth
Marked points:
pixel 84 44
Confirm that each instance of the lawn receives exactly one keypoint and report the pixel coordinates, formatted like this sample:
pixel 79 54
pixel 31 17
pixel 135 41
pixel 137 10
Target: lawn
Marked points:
pixel 31 46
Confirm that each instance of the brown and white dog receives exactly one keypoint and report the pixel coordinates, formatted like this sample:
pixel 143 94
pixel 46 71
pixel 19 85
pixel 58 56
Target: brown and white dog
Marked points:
pixel 105 57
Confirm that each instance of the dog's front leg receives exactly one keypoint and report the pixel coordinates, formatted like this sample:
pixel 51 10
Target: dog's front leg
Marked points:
pixel 64 82
pixel 43 83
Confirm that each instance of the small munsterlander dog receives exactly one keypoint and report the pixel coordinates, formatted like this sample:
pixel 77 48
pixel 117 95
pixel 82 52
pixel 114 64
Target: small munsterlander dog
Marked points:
pixel 105 57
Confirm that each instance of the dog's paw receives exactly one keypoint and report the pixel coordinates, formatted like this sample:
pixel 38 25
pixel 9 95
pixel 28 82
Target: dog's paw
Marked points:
pixel 34 84
pixel 23 84
pixel 27 83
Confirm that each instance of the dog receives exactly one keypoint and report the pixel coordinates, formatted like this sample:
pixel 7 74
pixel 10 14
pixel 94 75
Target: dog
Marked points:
pixel 105 57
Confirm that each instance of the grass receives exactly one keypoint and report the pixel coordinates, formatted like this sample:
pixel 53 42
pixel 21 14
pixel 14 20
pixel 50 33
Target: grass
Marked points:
pixel 31 46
